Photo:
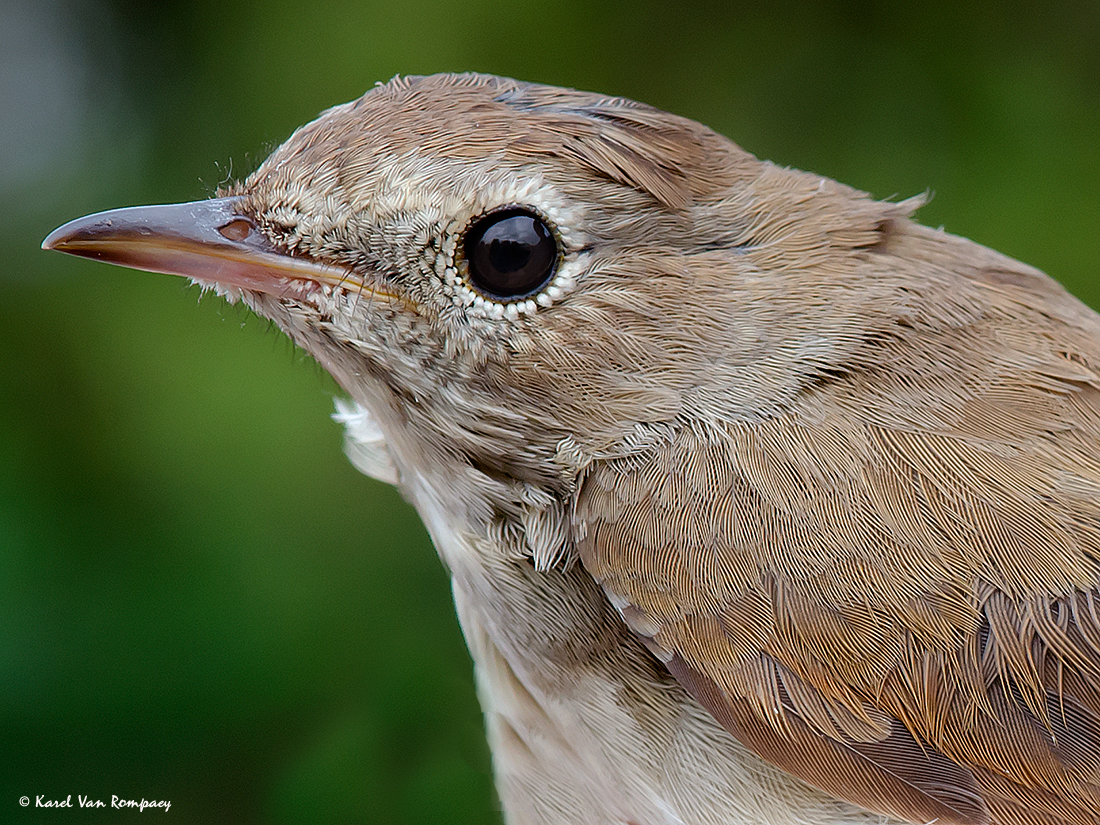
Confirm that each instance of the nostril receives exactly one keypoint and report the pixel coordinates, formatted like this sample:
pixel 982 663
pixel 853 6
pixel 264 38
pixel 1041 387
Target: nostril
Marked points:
pixel 237 229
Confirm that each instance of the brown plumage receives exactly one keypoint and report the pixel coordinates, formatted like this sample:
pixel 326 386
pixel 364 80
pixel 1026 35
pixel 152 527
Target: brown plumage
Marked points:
pixel 838 474
pixel 906 555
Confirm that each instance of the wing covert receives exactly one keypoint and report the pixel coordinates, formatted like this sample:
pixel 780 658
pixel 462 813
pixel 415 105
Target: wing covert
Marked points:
pixel 906 620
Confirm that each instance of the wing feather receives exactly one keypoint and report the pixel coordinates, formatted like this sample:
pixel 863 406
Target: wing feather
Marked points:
pixel 905 618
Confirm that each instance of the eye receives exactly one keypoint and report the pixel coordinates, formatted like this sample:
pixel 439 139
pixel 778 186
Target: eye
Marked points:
pixel 510 253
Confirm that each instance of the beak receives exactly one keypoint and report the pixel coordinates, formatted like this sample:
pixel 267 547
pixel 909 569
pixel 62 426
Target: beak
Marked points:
pixel 212 242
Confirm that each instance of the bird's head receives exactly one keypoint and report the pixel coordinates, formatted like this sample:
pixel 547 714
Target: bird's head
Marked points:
pixel 523 277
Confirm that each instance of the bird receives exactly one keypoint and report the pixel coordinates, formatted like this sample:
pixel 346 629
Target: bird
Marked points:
pixel 761 501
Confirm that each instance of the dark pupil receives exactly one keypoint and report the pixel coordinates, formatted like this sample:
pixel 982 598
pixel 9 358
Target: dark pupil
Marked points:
pixel 510 254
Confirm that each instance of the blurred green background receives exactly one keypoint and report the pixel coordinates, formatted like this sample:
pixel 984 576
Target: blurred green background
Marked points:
pixel 200 600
